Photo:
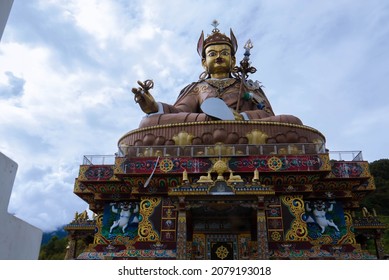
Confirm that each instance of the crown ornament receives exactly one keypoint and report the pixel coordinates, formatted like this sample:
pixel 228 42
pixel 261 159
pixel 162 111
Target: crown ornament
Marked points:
pixel 216 38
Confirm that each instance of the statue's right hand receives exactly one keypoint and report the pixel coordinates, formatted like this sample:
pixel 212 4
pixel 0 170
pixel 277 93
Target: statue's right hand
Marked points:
pixel 144 98
pixel 138 94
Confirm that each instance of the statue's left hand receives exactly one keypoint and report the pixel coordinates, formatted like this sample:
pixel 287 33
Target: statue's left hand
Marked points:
pixel 238 117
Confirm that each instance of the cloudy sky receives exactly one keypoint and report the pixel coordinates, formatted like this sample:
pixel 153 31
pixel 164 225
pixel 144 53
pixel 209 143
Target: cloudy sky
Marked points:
pixel 67 68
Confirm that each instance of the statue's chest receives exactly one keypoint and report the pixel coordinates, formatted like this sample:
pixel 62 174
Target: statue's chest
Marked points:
pixel 229 95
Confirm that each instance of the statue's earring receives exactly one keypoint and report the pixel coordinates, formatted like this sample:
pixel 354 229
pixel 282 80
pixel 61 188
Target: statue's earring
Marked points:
pixel 204 75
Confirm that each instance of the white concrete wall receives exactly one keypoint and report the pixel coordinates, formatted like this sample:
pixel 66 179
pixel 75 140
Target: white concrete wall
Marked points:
pixel 5 8
pixel 18 239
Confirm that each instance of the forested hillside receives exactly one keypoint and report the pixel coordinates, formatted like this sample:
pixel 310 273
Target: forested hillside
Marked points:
pixel 379 200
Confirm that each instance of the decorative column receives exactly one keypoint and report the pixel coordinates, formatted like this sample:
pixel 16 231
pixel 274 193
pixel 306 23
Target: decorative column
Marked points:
pixel 71 248
pixel 181 229
pixel 379 246
pixel 263 247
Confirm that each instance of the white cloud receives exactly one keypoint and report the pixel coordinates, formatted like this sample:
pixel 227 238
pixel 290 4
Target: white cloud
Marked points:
pixel 13 86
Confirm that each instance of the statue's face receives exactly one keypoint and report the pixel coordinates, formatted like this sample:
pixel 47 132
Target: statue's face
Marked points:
pixel 218 60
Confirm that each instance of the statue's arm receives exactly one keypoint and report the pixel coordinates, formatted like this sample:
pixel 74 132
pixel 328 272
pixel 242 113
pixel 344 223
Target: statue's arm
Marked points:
pixel 264 111
pixel 262 103
pixel 256 114
pixel 187 101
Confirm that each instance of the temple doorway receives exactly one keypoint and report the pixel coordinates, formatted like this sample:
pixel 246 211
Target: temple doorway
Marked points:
pixel 221 230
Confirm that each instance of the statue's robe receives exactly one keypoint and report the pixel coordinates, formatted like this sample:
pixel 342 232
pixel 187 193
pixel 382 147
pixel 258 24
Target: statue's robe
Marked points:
pixel 253 103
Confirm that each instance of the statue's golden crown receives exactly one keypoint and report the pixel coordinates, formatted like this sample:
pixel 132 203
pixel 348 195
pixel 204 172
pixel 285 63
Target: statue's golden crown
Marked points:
pixel 216 38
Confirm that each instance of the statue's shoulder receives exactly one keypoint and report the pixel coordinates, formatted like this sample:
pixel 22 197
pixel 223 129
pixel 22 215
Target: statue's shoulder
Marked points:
pixel 188 88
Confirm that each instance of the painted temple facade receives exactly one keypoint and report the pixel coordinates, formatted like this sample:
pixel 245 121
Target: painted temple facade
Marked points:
pixel 218 200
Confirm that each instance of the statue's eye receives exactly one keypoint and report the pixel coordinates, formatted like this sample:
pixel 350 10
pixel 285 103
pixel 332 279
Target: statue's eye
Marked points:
pixel 211 53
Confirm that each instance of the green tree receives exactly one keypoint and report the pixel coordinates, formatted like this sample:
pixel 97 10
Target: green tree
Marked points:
pixel 379 200
pixel 55 249
pixel 380 168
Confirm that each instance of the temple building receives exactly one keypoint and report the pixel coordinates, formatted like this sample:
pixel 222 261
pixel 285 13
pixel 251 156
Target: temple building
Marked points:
pixel 218 176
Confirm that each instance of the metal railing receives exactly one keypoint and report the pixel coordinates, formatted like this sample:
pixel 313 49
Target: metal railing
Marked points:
pixel 99 160
pixel 346 155
pixel 222 150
